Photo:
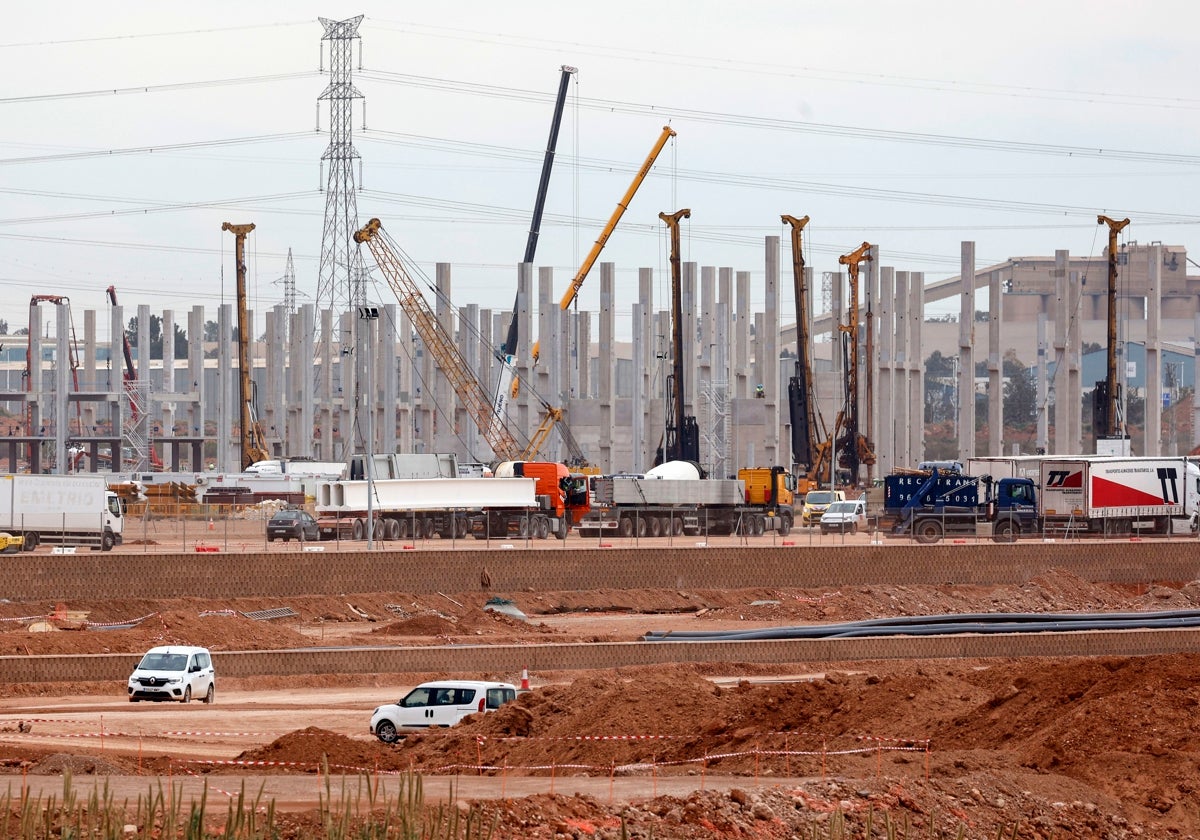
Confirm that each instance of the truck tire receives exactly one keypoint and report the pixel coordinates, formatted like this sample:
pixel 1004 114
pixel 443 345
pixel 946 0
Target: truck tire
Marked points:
pixel 760 526
pixel 1006 531
pixel 359 529
pixel 656 528
pixel 625 526
pixel 107 541
pixel 31 540
pixel 785 525
pixel 642 526
pixel 928 531
pixel 543 527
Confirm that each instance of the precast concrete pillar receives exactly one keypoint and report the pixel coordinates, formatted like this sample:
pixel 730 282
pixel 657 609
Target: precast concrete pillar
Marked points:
pixel 525 402
pixel 448 414
pixel 1075 366
pixel 581 329
pixel 195 384
pixel 468 337
pixel 325 413
pixel 1154 377
pixel 916 366
pixel 1062 324
pixel 167 409
pixel 228 456
pixel 62 389
pixel 305 390
pixel 770 350
pixel 273 417
pixel 885 404
pixel 689 300
pixel 965 402
pixel 741 335
pixel 604 372
pixel 551 350
pixel 1043 376
pixel 905 414
pixel 90 380
pixel 995 368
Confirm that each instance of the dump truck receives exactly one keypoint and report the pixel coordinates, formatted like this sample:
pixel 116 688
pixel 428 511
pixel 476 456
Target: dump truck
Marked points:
pixel 758 501
pixel 70 510
pixel 929 505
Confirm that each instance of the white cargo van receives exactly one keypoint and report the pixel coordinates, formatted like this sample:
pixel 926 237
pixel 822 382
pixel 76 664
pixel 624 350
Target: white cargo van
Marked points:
pixel 174 672
pixel 441 703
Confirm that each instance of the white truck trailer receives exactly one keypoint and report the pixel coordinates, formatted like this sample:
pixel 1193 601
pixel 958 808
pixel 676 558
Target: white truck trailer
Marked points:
pixel 1110 495
pixel 76 510
pixel 421 507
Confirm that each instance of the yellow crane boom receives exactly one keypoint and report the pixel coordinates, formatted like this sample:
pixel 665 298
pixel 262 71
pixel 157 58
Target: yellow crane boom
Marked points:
pixel 254 445
pixel 441 346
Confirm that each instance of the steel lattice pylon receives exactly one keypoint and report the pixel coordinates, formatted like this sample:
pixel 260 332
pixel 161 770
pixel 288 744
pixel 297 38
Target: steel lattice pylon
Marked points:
pixel 340 283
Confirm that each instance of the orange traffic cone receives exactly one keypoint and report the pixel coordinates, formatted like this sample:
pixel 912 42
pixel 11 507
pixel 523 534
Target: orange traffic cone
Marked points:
pixel 524 679
pixel 210 524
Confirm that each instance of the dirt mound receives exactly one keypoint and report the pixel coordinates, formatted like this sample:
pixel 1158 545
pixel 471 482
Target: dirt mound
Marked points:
pixel 421 625
pixel 306 749
pixel 57 764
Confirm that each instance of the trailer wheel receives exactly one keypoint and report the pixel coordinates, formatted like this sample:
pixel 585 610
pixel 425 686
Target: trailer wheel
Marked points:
pixel 625 526
pixel 393 529
pixel 928 531
pixel 677 526
pixel 655 526
pixel 358 529
pixel 642 526
pixel 523 527
pixel 1005 531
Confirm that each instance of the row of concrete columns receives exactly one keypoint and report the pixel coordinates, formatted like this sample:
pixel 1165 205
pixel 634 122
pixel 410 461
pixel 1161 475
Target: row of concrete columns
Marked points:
pixel 310 366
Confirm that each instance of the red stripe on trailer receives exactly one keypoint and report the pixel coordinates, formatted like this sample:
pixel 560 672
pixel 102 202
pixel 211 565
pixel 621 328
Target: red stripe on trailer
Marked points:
pixel 1107 493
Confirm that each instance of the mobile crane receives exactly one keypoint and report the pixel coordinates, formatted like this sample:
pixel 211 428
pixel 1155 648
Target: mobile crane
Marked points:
pixel 130 379
pixel 811 443
pixel 254 445
pixel 507 354
pixel 577 281
pixel 854 447
pixel 438 341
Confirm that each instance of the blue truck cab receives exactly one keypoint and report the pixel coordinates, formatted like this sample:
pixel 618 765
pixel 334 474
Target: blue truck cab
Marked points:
pixel 927 506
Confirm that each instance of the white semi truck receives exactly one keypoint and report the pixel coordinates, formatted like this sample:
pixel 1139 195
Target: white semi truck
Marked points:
pixel 76 510
pixel 1114 495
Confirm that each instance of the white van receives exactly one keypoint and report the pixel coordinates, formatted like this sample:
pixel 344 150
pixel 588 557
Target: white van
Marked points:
pixel 441 703
pixel 174 672
pixel 845 517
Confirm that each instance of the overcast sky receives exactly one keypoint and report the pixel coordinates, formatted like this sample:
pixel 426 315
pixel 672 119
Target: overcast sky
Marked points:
pixel 132 130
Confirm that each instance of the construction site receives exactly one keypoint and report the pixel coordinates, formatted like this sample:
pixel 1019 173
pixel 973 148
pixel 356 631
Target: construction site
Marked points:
pixel 999 641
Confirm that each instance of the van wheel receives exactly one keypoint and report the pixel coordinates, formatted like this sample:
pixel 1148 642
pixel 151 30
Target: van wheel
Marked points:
pixel 187 694
pixel 211 694
pixel 386 732
pixel 108 541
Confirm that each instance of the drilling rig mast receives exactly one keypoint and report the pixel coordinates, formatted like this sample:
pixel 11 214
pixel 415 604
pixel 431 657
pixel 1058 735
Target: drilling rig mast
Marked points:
pixel 254 446
pixel 1107 420
pixel 853 446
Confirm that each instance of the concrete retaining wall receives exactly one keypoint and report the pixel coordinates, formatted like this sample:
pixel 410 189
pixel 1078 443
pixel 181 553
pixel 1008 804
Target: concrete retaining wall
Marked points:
pixel 59 577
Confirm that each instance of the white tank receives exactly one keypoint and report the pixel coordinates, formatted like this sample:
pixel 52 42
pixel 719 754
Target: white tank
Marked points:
pixel 675 470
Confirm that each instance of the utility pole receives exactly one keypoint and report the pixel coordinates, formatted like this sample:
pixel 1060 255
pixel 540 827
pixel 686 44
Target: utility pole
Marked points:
pixel 1107 420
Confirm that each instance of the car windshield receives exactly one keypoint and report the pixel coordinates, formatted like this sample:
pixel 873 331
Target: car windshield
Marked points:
pixel 842 507
pixel 163 662
pixel 819 497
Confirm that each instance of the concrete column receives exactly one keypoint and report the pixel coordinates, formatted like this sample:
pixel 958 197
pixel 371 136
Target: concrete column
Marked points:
pixel 1075 368
pixel 525 403
pixel 658 398
pixel 726 325
pixel 89 381
pixel 1043 375
pixel 645 367
pixel 1062 322
pixel 548 366
pixel 195 384
pixel 966 355
pixel 448 415
pixel 1154 388
pixel 741 335
pixel 916 366
pixel 325 412
pixel 604 373
pixel 468 339
pixel 837 306
pixel 995 369
pixel 228 455
pixel 168 408
pixel 691 383
pixel 903 413
pixel 272 399
pixel 347 377
pixel 886 418
pixel 62 389
pixel 584 387
pixel 770 349
pixel 305 393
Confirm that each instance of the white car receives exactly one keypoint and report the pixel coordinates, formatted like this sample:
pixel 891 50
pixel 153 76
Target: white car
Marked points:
pixel 174 672
pixel 845 517
pixel 441 703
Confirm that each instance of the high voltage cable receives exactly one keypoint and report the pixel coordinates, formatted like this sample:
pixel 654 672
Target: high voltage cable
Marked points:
pixel 775 124
pixel 174 86
pixel 159 149
pixel 168 34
